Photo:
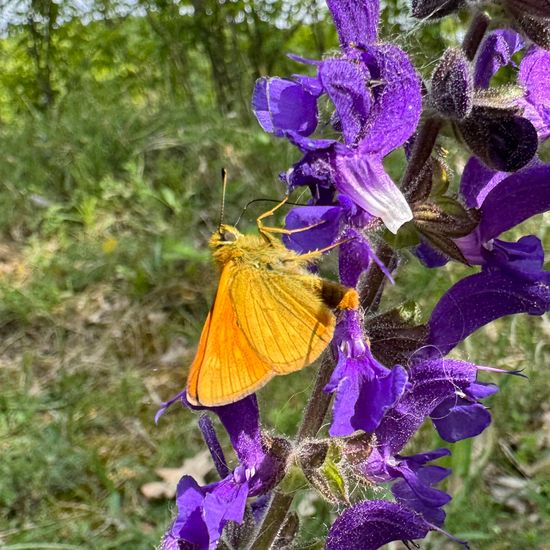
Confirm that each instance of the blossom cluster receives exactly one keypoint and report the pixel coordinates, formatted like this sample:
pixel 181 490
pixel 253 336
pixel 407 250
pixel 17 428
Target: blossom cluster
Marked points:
pixel 391 374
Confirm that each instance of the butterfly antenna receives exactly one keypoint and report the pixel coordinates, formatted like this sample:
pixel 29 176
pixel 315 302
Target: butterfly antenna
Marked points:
pixel 224 187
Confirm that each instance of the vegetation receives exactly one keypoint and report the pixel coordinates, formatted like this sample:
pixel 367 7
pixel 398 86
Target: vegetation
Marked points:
pixel 115 119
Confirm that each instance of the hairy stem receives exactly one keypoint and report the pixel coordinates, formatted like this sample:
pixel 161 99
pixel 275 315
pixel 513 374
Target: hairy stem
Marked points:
pixel 314 416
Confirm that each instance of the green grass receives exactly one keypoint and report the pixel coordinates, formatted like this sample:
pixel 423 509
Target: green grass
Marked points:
pixel 103 291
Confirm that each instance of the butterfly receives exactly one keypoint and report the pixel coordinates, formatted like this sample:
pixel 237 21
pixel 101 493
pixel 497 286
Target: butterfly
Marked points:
pixel 271 315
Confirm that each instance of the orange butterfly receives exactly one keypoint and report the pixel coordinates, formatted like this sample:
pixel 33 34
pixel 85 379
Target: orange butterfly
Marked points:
pixel 271 316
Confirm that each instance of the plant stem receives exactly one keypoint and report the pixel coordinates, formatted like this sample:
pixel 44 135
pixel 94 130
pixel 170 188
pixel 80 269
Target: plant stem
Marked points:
pixel 476 32
pixel 314 416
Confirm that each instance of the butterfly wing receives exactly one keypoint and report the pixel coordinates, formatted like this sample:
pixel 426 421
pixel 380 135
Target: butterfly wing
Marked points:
pixel 282 315
pixel 226 368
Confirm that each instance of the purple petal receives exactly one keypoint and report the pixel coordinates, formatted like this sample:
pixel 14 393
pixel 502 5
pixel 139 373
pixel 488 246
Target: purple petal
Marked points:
pixel 363 393
pixel 370 524
pixel 495 52
pixel 316 238
pixel 423 458
pixel 242 422
pixel 355 257
pixel 477 181
pixel 310 84
pixel 225 503
pixel 457 419
pixel 365 181
pixel 533 75
pixel 481 390
pixel 479 299
pixel 346 84
pixel 356 21
pixel 281 105
pixel 189 524
pixel 514 200
pixel 524 258
pixel 429 256
pixel 306 144
pixel 428 495
pixel 397 99
pixel 313 169
pixel 431 382
pixel 407 497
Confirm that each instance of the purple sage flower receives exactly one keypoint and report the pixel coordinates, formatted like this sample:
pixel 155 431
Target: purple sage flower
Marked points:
pixel 364 388
pixel 204 511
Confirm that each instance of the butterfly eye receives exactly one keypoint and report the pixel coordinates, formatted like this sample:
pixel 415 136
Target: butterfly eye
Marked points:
pixel 228 237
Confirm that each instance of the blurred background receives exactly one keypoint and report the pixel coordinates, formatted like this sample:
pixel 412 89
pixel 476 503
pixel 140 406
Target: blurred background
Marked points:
pixel 115 119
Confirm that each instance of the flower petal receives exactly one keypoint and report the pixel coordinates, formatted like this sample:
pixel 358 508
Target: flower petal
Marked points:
pixel 189 524
pixel 356 21
pixel 430 382
pixel 370 524
pixel 457 419
pixel 346 84
pixel 514 200
pixel 365 181
pixel 325 234
pixel 364 390
pixel 477 181
pixel 479 299
pixel 495 52
pixel 225 503
pixel 355 257
pixel 397 99
pixel 533 75
pixel 281 105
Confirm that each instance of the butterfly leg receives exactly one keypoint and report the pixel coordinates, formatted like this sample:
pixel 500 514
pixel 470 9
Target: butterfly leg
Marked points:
pixel 284 231
pixel 271 212
pixel 316 253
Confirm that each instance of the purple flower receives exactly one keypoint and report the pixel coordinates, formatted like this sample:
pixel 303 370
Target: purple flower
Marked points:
pixel 375 118
pixel 414 486
pixel 533 76
pixel 433 384
pixel 481 298
pixel 371 524
pixel 364 388
pixel 495 52
pixel 282 105
pixel 204 511
pixel 504 201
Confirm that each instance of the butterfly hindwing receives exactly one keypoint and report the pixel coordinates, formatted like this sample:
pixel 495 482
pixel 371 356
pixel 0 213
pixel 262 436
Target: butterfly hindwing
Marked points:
pixel 282 315
pixel 226 367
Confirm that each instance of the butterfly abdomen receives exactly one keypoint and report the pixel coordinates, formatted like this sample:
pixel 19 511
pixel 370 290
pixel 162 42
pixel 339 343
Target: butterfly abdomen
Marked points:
pixel 337 296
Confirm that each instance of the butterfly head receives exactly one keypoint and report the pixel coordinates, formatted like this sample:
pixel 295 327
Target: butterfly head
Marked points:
pixel 223 238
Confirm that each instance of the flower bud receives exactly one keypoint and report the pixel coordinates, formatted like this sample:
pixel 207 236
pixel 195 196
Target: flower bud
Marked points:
pixel 396 334
pixel 535 8
pixel 453 85
pixel 434 9
pixel 535 28
pixel 320 462
pixel 502 141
